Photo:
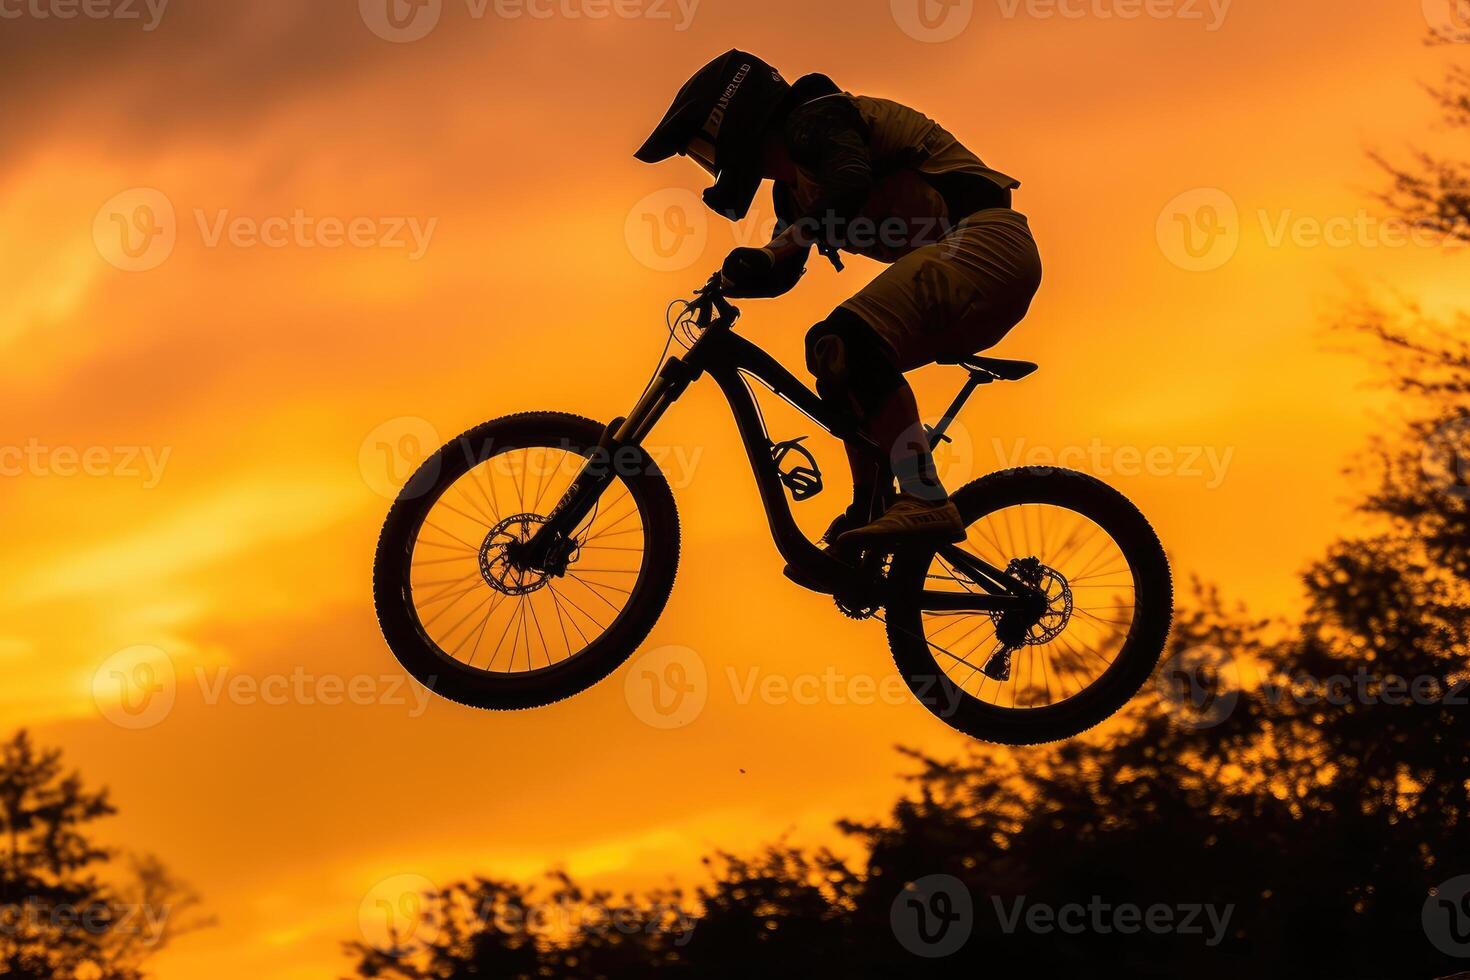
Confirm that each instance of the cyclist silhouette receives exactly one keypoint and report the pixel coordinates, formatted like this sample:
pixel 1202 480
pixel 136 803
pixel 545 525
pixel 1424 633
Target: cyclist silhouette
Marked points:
pixel 870 177
pixel 528 558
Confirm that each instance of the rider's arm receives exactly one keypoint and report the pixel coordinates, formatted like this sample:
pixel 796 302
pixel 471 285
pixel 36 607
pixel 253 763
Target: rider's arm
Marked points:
pixel 764 273
pixel 827 139
pixel 789 253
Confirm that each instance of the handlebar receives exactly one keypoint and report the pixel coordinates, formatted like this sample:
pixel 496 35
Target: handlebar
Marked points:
pixel 710 306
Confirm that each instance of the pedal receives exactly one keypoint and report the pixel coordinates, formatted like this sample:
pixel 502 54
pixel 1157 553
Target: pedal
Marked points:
pixel 804 480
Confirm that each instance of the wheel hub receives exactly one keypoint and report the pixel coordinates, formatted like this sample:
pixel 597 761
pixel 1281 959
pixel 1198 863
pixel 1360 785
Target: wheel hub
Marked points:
pixel 499 566
pixel 1043 620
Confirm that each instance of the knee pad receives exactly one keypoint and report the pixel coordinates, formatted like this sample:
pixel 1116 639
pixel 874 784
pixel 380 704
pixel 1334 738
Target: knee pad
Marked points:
pixel 850 362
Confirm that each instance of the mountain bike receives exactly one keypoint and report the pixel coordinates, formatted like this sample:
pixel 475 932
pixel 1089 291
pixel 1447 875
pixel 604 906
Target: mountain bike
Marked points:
pixel 528 558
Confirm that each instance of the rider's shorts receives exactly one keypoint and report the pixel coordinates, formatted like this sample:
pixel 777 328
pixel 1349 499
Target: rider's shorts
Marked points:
pixel 961 295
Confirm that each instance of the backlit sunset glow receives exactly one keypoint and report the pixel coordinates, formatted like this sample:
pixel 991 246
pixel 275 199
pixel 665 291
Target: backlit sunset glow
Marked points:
pixel 261 259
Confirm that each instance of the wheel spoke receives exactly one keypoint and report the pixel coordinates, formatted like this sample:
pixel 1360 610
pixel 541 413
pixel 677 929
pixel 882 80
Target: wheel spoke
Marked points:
pixel 1073 644
pixel 470 510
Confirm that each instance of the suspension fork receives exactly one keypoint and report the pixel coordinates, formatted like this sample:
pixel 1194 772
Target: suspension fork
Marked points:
pixel 553 543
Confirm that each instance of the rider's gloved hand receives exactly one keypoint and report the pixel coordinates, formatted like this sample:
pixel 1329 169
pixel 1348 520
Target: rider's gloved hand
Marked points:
pixel 748 273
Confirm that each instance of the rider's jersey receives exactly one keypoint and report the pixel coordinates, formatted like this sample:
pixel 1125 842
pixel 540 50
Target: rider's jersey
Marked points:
pixel 875 177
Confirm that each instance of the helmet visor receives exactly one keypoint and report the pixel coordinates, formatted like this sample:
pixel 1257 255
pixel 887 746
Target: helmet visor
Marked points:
pixel 702 152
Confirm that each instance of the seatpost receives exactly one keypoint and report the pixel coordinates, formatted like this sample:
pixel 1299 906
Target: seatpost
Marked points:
pixel 936 433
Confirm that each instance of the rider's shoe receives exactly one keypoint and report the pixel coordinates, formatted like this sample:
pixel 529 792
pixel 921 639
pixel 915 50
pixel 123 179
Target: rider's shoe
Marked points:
pixel 911 520
pixel 846 521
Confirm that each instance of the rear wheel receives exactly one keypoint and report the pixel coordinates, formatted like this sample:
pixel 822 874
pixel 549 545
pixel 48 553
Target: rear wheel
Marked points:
pixel 1108 606
pixel 472 625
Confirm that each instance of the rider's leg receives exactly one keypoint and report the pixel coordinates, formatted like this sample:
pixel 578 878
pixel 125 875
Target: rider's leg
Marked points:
pixel 854 370
pixel 895 425
pixel 829 358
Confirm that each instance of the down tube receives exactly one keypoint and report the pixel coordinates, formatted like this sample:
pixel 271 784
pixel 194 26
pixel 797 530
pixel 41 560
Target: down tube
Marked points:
pixel 790 542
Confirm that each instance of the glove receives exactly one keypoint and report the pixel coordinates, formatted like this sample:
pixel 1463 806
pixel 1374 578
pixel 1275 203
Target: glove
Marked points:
pixel 747 272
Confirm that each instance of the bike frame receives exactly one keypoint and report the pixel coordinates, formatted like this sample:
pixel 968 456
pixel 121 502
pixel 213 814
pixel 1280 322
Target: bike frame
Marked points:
pixel 730 359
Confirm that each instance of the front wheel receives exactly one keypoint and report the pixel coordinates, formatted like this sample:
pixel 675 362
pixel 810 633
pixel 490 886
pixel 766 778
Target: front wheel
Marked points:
pixel 1109 603
pixel 470 624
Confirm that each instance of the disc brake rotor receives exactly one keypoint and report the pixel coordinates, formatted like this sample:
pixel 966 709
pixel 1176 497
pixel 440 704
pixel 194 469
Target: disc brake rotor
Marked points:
pixel 1050 583
pixel 496 568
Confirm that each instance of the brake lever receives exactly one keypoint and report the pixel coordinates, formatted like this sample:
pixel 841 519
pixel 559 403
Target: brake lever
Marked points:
pixel 711 301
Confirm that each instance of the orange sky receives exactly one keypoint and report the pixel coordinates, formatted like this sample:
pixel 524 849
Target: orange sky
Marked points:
pixel 195 468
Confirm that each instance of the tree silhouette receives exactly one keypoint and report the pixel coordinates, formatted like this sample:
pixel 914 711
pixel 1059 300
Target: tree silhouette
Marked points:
pixel 59 917
pixel 1433 191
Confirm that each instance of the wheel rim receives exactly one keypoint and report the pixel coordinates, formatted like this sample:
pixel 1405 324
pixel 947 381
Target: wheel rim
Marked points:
pixel 475 607
pixel 1091 593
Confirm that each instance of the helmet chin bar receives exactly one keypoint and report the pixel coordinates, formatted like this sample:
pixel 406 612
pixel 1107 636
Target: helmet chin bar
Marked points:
pixel 731 197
